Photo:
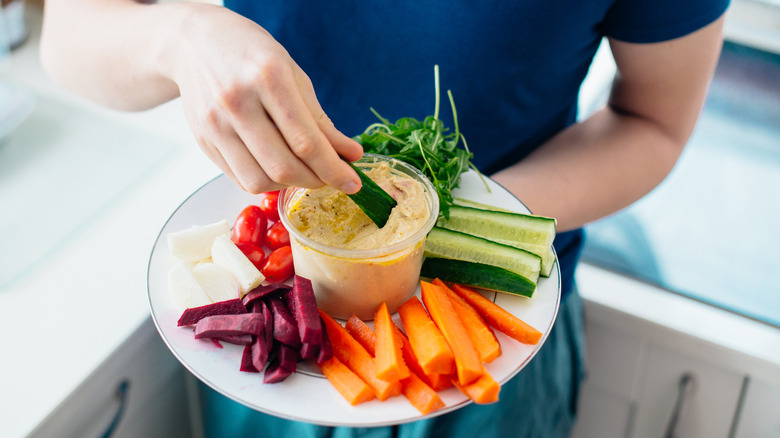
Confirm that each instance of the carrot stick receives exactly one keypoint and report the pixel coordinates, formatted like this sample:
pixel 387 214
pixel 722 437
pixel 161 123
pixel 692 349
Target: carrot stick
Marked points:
pixel 467 363
pixel 354 356
pixel 483 391
pixel 388 361
pixel 420 395
pixel 365 336
pixel 482 336
pixel 346 382
pixel 419 388
pixel 436 381
pixel 439 382
pixel 362 333
pixel 484 339
pixel 499 318
pixel 427 341
pixel 415 388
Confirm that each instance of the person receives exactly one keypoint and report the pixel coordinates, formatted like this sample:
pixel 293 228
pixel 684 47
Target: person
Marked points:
pixel 246 74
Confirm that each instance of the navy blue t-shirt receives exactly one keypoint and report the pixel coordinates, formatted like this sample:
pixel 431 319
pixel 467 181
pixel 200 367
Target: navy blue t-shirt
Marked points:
pixel 514 67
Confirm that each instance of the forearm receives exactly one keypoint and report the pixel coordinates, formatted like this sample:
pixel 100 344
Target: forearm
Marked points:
pixel 593 168
pixel 619 154
pixel 251 108
pixel 110 51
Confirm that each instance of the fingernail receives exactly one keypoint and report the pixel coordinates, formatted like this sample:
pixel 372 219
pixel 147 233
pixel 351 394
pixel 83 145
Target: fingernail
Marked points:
pixel 350 188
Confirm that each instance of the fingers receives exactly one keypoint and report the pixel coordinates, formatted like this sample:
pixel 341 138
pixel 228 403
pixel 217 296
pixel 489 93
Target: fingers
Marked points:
pixel 222 145
pixel 233 158
pixel 213 154
pixel 264 128
pixel 344 145
pixel 288 109
pixel 267 147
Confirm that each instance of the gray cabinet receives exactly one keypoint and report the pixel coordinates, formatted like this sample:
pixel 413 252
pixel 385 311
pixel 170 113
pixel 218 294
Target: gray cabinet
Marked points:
pixel 759 410
pixel 141 390
pixel 648 380
pixel 685 395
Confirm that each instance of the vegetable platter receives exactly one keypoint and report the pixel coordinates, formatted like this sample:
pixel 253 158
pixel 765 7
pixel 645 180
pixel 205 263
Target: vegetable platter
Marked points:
pixel 307 395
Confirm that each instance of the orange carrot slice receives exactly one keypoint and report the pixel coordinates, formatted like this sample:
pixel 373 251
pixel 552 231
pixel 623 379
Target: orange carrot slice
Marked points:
pixel 365 336
pixel 362 333
pixel 415 388
pixel 346 382
pixel 439 382
pixel 388 361
pixel 356 358
pixel 483 391
pixel 467 363
pixel 482 336
pixel 420 395
pixel 427 341
pixel 436 381
pixel 499 318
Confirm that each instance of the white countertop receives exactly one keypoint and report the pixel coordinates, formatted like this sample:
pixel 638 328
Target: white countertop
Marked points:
pixel 756 344
pixel 65 319
pixel 60 323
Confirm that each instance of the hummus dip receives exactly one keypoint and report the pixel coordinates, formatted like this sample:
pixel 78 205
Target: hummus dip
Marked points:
pixel 353 265
pixel 329 216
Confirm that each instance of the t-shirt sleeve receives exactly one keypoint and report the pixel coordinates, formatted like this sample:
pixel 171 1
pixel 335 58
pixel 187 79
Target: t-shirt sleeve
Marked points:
pixel 650 21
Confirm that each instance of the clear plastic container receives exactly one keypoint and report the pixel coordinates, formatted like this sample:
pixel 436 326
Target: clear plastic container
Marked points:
pixel 357 281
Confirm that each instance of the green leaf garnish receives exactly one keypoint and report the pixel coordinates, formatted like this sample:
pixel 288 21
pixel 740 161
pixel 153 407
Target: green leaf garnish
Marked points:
pixel 427 145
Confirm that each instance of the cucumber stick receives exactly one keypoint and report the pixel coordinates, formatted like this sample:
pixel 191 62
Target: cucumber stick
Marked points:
pixel 477 275
pixel 527 232
pixel 450 244
pixel 463 202
pixel 375 202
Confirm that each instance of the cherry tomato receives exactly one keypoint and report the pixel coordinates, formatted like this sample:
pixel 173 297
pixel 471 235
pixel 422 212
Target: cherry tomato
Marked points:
pixel 270 205
pixel 277 236
pixel 250 226
pixel 279 265
pixel 254 253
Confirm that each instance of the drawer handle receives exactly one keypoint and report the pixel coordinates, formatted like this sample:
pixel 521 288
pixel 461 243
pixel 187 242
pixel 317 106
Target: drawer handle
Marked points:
pixel 122 394
pixel 686 388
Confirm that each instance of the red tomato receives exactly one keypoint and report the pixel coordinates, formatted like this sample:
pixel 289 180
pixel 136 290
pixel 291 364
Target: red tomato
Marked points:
pixel 254 253
pixel 250 226
pixel 277 236
pixel 279 265
pixel 270 205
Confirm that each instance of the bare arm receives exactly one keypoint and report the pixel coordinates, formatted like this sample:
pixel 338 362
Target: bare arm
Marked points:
pixel 620 153
pixel 252 110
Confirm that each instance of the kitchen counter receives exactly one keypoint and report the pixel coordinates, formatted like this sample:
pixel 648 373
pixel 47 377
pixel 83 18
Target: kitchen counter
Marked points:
pixel 61 321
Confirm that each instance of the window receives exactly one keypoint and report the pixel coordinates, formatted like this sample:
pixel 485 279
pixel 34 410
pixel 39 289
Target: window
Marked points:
pixel 711 230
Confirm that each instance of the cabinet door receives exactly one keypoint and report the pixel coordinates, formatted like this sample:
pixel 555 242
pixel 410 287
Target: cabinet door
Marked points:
pixel 760 410
pixel 605 404
pixel 141 381
pixel 706 408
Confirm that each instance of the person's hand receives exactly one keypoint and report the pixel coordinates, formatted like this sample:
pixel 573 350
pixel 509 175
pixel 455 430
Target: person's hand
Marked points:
pixel 251 108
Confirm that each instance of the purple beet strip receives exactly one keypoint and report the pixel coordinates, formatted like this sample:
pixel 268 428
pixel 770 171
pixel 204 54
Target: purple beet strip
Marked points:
pixel 277 289
pixel 219 326
pixel 326 351
pixel 236 339
pixel 285 326
pixel 192 315
pixel 303 305
pixel 246 361
pixel 261 348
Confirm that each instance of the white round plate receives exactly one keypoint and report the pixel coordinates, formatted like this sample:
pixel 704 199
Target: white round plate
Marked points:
pixel 306 395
